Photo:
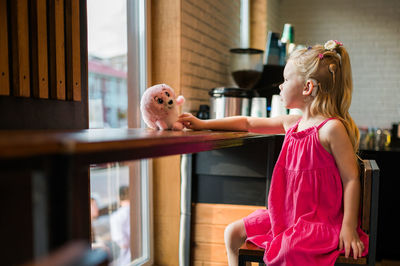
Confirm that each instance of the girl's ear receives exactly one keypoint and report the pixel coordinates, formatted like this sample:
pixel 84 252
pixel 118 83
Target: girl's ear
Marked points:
pixel 310 88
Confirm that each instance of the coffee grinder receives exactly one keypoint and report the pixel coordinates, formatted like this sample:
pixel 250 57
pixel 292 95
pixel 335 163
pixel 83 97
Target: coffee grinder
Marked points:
pixel 246 66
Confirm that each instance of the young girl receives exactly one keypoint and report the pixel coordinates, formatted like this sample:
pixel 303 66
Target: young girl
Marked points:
pixel 313 204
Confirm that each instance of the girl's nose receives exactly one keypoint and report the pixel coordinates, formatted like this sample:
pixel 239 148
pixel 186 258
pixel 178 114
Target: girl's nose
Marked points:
pixel 281 87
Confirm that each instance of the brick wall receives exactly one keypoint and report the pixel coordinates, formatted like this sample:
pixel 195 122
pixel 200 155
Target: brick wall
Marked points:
pixel 370 30
pixel 209 29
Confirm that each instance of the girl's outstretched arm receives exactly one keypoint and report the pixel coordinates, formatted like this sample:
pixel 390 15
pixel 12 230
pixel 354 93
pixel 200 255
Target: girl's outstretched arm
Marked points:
pixel 274 125
pixel 341 148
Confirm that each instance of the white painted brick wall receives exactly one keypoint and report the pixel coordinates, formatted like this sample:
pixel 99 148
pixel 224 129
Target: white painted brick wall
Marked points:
pixel 370 30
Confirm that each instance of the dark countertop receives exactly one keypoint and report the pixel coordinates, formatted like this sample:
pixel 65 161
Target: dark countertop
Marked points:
pixel 387 149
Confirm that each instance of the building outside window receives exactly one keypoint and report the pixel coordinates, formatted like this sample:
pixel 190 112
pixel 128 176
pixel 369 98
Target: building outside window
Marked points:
pixel 120 194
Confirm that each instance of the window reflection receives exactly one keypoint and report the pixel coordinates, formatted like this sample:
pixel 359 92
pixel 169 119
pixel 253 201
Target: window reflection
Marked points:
pixel 120 227
pixel 110 211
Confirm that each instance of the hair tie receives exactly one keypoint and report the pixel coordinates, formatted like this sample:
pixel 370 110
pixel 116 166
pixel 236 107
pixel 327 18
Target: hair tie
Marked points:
pixel 333 45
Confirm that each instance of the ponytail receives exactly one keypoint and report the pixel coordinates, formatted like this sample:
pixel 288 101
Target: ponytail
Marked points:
pixel 345 101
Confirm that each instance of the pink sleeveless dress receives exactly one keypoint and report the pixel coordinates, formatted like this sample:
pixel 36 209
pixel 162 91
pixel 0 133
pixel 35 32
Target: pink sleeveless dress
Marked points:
pixel 305 205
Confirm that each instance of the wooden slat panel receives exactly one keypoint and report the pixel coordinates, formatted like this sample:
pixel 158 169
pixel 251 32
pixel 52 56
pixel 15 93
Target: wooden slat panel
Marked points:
pixel 208 233
pixel 56 49
pixel 220 213
pixel 209 252
pixel 40 75
pixel 208 263
pixel 73 71
pixel 20 47
pixel 208 225
pixel 4 65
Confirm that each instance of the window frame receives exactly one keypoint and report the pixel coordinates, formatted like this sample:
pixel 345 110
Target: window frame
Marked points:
pixel 138 79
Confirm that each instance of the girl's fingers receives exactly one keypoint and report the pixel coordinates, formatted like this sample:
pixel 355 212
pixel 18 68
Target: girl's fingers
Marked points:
pixel 360 248
pixel 354 246
pixel 340 244
pixel 346 249
pixel 185 115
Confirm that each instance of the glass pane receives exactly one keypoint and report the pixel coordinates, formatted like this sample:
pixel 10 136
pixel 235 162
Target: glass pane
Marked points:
pixel 119 190
pixel 107 63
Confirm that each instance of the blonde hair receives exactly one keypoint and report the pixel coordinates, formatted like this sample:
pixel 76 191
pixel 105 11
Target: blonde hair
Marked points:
pixel 332 70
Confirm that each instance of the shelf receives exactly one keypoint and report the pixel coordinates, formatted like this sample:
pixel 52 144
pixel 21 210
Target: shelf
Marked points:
pixel 100 145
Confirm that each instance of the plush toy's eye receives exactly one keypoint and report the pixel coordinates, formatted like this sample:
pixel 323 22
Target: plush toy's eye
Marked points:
pixel 159 100
pixel 167 93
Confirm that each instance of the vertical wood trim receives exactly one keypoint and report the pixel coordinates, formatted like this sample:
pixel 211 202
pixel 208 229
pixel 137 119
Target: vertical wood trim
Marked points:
pixel 73 73
pixel 258 24
pixel 40 75
pixel 166 68
pixel 149 44
pixel 166 43
pixel 84 59
pixel 56 49
pixel 20 47
pixel 4 64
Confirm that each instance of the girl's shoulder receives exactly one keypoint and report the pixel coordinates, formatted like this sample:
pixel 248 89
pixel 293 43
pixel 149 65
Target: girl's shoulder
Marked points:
pixel 333 133
pixel 332 127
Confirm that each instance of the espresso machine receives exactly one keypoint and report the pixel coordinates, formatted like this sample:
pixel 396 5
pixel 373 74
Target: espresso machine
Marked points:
pixel 246 68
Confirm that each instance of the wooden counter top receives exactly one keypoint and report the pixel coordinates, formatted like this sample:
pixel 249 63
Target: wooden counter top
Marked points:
pixel 129 143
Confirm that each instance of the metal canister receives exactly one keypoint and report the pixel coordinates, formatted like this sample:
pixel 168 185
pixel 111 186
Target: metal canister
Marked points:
pixel 229 102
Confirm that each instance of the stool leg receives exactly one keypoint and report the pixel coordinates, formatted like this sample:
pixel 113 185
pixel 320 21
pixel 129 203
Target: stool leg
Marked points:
pixel 242 261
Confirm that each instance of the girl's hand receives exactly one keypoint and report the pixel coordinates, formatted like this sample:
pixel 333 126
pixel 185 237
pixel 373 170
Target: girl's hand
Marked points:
pixel 191 122
pixel 349 239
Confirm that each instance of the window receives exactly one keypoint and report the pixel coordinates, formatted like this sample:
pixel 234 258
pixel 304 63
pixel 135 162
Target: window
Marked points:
pixel 120 191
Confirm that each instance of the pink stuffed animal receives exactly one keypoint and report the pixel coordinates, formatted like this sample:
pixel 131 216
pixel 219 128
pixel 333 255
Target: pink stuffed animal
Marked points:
pixel 160 108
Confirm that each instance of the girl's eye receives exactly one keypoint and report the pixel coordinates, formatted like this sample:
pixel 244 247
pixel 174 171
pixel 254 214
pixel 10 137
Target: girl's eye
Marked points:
pixel 166 93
